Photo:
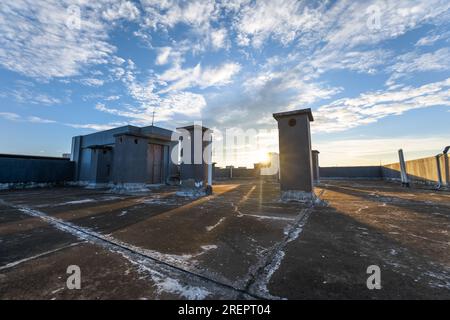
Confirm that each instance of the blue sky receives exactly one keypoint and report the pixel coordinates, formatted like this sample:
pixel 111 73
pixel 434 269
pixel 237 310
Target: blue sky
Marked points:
pixel 375 73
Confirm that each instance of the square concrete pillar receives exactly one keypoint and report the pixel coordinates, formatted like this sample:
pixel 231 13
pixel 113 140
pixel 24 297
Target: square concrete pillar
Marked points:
pixel 315 166
pixel 195 168
pixel 296 179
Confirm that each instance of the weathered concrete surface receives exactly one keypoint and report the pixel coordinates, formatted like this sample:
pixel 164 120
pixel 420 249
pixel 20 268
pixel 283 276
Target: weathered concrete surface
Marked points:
pixel 224 238
pixel 370 223
pixel 104 275
pixel 240 242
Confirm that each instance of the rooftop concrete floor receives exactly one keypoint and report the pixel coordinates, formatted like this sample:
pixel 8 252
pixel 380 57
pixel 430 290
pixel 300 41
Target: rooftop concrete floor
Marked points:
pixel 239 243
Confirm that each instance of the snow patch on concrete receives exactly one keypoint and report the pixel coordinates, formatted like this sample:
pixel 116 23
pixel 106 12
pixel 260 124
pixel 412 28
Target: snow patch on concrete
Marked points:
pixel 26 185
pixel 75 202
pixel 124 212
pixel 209 228
pixel 191 193
pixel 158 200
pixel 129 187
pixel 261 217
pixel 208 247
pixel 169 284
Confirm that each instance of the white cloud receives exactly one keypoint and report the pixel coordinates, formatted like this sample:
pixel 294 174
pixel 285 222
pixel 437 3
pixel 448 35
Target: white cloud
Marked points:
pixel 35 119
pixel 218 76
pixel 219 38
pixel 112 98
pixel 10 116
pixel 341 25
pixel 360 61
pixel 167 104
pixel 372 151
pixel 428 40
pixel 347 113
pixel 15 117
pixel 96 126
pixel 25 95
pixel 199 77
pixel 121 10
pixel 168 13
pixel 92 82
pixel 188 104
pixel 163 55
pixel 347 24
pixel 284 20
pixel 43 39
pixel 412 62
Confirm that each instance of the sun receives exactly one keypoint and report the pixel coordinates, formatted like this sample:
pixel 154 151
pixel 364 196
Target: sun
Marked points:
pixel 261 156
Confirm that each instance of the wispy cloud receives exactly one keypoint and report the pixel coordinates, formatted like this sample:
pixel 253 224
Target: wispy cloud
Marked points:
pixel 376 150
pixel 197 76
pixel 283 20
pixel 10 116
pixel 121 10
pixel 96 126
pixel 18 118
pixel 45 39
pixel 92 82
pixel 35 119
pixel 369 107
pixel 29 95
pixel 413 62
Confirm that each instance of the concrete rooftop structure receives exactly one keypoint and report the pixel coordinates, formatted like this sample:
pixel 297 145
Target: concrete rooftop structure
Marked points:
pixel 296 180
pixel 124 155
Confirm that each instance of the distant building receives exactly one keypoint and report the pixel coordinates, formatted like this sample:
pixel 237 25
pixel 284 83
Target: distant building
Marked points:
pixel 66 155
pixel 122 155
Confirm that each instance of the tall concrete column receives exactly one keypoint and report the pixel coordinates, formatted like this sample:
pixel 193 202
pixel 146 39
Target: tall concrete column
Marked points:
pixel 315 165
pixel 196 142
pixel 296 178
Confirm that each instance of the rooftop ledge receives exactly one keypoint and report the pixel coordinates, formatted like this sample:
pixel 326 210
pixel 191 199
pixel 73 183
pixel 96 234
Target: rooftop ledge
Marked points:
pixel 294 113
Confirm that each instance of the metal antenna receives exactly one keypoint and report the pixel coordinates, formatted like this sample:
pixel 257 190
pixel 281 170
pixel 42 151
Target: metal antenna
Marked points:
pixel 153 116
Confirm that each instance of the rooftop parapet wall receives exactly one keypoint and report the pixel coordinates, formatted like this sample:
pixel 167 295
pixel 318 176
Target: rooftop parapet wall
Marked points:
pixel 237 173
pixel 424 170
pixel 363 172
pixel 34 169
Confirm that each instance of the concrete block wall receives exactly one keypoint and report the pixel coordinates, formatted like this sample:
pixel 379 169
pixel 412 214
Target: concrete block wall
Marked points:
pixel 34 169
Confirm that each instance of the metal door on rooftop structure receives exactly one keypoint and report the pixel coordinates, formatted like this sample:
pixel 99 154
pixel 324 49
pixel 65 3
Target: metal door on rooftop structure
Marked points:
pixel 103 165
pixel 155 163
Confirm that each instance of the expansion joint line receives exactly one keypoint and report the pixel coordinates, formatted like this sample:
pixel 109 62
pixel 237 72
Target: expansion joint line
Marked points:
pixel 262 275
pixel 98 239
